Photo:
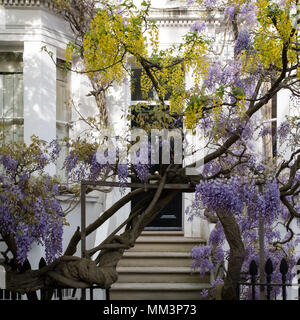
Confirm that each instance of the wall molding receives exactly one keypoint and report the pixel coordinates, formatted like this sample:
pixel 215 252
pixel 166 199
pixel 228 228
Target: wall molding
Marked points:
pixel 27 3
pixel 183 16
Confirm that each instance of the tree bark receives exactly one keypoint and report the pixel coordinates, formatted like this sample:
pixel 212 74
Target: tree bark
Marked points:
pixel 72 247
pixel 71 271
pixel 236 256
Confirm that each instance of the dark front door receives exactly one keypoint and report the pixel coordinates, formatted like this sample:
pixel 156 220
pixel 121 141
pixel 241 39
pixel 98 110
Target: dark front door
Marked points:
pixel 170 217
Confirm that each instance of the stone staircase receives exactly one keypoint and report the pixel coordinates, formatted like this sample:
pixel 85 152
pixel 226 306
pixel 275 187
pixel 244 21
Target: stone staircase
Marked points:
pixel 158 268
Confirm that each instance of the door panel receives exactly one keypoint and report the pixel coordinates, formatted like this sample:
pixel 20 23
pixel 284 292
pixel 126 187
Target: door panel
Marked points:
pixel 170 217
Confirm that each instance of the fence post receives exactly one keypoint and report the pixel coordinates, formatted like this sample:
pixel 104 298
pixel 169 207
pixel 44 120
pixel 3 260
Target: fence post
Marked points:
pixel 298 277
pixel 283 270
pixel 74 292
pixel 253 273
pixel 83 229
pixel 59 292
pixel 269 271
pixel 107 294
pixel 43 292
pixel 238 291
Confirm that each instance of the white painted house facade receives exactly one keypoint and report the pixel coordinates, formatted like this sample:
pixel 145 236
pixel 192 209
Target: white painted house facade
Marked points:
pixel 37 90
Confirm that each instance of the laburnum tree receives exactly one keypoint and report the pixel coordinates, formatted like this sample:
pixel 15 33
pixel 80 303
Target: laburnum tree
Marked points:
pixel 236 184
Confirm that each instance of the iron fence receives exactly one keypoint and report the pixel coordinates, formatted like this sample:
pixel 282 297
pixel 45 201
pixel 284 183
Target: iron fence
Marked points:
pixel 267 287
pixel 54 293
pixel 57 293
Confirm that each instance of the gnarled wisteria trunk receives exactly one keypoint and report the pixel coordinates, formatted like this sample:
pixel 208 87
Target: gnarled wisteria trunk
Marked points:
pixel 236 256
pixel 78 272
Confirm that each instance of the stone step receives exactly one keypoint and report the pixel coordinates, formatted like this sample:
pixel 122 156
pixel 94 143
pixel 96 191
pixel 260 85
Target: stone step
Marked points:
pixel 152 259
pixel 157 291
pixel 160 275
pixel 166 243
pixel 158 268
pixel 162 233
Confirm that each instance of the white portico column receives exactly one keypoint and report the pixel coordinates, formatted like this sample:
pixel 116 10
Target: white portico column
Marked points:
pixel 197 227
pixel 39 93
pixel 39 107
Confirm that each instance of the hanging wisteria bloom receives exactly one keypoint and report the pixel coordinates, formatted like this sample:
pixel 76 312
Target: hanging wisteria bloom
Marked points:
pixel 248 13
pixel 220 193
pixel 190 2
pixel 230 12
pixel 284 130
pixel 29 210
pixel 210 3
pixel 198 26
pixel 243 41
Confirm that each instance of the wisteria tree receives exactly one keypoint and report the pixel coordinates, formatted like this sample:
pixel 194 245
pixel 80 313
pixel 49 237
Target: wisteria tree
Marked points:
pixel 236 185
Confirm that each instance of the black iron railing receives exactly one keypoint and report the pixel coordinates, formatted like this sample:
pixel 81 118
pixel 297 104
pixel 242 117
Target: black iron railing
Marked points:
pixel 57 293
pixel 267 287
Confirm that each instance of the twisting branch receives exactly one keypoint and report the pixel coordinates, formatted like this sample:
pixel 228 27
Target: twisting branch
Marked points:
pixel 71 249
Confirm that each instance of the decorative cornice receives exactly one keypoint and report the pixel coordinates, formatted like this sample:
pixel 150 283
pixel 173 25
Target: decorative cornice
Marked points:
pixel 171 16
pixel 184 16
pixel 27 3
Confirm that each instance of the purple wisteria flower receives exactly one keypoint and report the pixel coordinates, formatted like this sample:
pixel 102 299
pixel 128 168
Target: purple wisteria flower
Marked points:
pixel 198 26
pixel 265 131
pixel 32 217
pixel 9 163
pixel 56 148
pixel 122 171
pixel 204 293
pixel 243 41
pixel 221 193
pixel 209 3
pixel 190 2
pixel 214 76
pixel 230 12
pixel 201 256
pixel 248 13
pixel 217 236
pixel 71 162
pixel 283 130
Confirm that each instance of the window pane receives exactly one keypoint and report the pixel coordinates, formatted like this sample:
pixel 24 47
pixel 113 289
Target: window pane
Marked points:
pixel 63 111
pixel 12 129
pixel 8 96
pixel 63 116
pixel 11 95
pixel 18 96
pixel 136 90
pixel 11 62
pixel 18 131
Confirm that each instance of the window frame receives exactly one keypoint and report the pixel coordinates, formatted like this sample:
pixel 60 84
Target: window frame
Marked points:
pixel 66 80
pixel 16 120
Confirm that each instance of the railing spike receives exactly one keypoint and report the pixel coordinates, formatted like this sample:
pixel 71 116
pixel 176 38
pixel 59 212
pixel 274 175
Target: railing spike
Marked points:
pixel 298 278
pixel 269 267
pixel 283 267
pixel 269 270
pixel 253 268
pixel 42 263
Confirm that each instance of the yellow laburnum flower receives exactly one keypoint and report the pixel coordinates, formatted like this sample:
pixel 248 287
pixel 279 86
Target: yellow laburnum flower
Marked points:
pixel 107 43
